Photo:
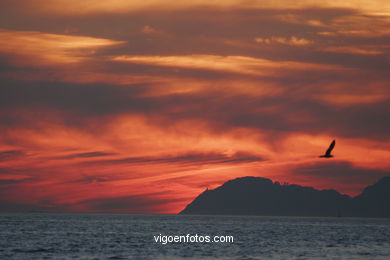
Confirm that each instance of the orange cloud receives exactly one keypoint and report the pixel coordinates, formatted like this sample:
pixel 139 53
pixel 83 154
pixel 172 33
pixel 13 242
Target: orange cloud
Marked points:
pixel 73 7
pixel 34 47
pixel 236 64
pixel 294 41
pixel 353 50
pixel 347 100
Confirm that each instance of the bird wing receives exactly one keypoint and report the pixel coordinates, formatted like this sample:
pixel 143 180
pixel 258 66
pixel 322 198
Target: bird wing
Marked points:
pixel 331 146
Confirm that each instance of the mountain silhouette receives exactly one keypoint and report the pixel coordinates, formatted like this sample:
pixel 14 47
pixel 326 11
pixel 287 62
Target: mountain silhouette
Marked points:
pixel 261 196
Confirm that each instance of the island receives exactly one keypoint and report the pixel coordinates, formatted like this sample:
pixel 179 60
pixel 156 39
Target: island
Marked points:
pixel 263 197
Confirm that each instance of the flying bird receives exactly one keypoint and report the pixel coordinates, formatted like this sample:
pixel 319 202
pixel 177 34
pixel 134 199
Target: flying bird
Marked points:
pixel 328 152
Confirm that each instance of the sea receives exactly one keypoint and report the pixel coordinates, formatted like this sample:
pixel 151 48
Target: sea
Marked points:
pixel 121 236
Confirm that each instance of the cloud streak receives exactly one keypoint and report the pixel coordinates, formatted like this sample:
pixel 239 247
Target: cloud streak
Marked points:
pixel 73 7
pixel 50 49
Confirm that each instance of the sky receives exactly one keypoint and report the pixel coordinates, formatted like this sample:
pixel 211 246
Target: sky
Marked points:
pixel 139 106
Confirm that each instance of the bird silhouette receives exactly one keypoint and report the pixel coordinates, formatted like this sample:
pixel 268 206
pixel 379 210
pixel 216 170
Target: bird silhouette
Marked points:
pixel 328 152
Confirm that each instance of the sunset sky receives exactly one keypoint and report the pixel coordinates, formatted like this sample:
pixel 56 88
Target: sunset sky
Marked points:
pixel 138 106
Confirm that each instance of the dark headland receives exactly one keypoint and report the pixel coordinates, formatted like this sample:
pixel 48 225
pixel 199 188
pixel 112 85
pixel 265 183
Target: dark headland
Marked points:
pixel 261 196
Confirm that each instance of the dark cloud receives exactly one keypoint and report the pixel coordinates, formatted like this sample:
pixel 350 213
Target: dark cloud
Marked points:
pixel 363 120
pixel 195 21
pixel 95 99
pixel 127 204
pixel 144 204
pixel 13 170
pixel 339 173
pixel 11 206
pixel 10 182
pixel 212 31
pixel 283 113
pixel 79 104
pixel 190 158
pixel 93 179
pixel 85 155
pixel 10 154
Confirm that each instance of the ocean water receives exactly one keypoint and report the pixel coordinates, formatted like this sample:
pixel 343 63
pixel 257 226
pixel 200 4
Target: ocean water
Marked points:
pixel 109 236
